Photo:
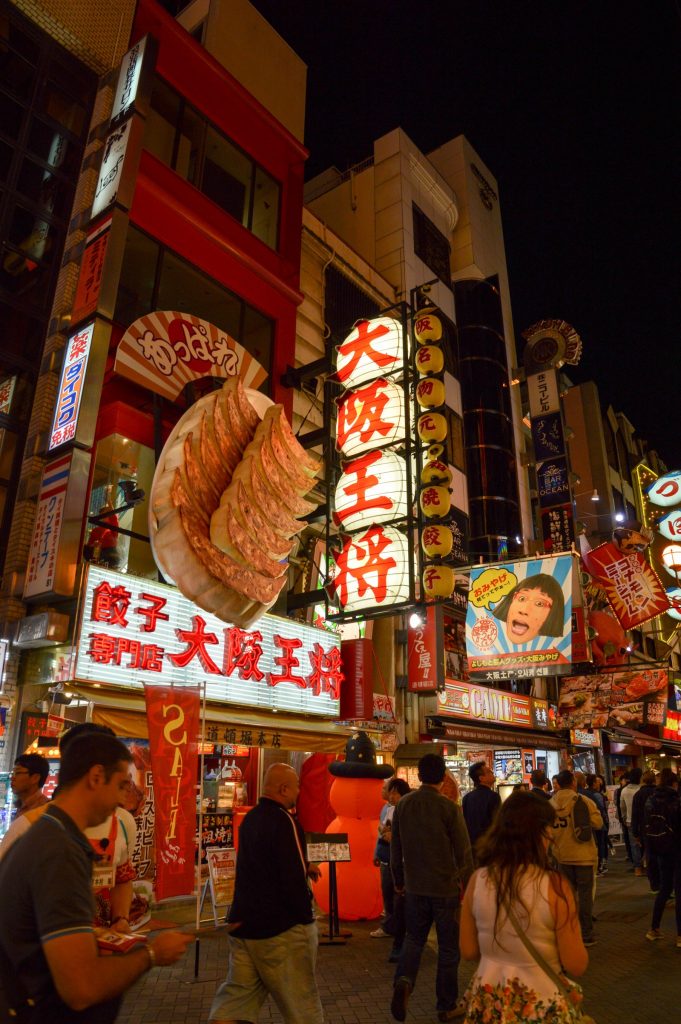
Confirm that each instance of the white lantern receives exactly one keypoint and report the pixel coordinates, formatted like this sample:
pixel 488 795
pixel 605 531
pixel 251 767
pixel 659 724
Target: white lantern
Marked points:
pixel 371 489
pixel 372 570
pixel 666 491
pixel 671 559
pixel 373 348
pixel 674 595
pixel 370 417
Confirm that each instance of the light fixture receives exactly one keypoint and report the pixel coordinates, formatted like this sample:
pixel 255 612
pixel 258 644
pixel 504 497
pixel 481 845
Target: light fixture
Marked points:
pixel 619 517
pixel 595 496
pixel 416 619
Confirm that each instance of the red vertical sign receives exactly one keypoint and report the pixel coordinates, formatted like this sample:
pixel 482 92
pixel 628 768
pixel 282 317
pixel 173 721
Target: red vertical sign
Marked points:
pixel 173 715
pixel 426 656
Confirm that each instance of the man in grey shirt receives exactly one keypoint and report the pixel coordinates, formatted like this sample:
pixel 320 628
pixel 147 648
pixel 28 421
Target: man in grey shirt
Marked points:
pixel 431 863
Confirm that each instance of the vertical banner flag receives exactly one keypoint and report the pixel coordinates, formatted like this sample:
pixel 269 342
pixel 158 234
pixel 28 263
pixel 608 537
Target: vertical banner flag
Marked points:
pixel 173 715
pixel 426 652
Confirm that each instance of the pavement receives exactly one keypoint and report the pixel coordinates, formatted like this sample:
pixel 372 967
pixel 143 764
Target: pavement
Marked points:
pixel 629 980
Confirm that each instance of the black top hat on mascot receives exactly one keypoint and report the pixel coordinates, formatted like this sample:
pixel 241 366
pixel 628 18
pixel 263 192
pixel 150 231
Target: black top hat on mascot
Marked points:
pixel 360 761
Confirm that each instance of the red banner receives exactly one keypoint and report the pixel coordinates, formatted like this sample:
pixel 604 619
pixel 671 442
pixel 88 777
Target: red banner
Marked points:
pixel 426 654
pixel 632 587
pixel 173 715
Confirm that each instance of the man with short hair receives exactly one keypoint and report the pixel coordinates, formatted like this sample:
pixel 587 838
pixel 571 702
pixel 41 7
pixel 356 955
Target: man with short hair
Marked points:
pixel 382 862
pixel 273 941
pixel 48 950
pixel 577 860
pixel 431 862
pixel 28 777
pixel 481 803
pixel 626 811
pixel 539 782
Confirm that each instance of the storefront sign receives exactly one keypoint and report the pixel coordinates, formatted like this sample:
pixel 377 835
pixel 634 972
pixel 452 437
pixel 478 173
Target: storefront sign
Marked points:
pixel 610 698
pixel 111 171
pixel 222 875
pixel 372 570
pixel 6 394
pixel 384 708
pixel 519 618
pixel 425 653
pixel 91 272
pixel 542 393
pixel 136 631
pixel 173 718
pixel 46 531
pixel 216 830
pixel 482 704
pixel 659 497
pixel 508 766
pixel 70 391
pixel 470 734
pixel 553 483
pixel 165 350
pixel 557 527
pixel 631 585
pixel 584 738
pixel 672 726
pixel 128 81
pixel 547 436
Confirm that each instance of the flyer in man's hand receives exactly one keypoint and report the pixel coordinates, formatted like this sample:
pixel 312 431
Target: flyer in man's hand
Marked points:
pixel 116 942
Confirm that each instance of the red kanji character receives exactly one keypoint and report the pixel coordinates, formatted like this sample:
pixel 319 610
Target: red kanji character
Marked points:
pixel 152 657
pixel 153 614
pixel 196 641
pixel 354 348
pixel 359 488
pixel 361 413
pixel 110 604
pixel 102 648
pixel 79 344
pixel 287 661
pixel 243 652
pixel 370 550
pixel 131 647
pixel 327 674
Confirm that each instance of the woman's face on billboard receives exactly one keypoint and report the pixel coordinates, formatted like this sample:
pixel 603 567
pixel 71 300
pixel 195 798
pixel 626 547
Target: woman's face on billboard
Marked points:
pixel 528 611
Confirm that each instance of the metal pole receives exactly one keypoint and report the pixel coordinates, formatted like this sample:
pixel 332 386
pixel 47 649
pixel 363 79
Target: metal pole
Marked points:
pixel 200 845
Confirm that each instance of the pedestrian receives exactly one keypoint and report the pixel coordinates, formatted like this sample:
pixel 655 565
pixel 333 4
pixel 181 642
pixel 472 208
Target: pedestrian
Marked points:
pixel 382 862
pixel 626 809
pixel 663 830
pixel 516 893
pixel 601 836
pixel 48 949
pixel 638 829
pixel 574 845
pixel 396 790
pixel 273 940
pixel 539 783
pixel 623 781
pixel 28 777
pixel 481 803
pixel 431 862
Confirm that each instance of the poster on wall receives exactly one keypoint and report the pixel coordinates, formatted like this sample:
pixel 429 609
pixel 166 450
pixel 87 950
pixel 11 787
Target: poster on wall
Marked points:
pixel 632 587
pixel 519 618
pixel 612 698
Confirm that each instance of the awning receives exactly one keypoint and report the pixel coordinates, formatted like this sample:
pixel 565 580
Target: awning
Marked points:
pixel 640 739
pixel 125 713
pixel 444 727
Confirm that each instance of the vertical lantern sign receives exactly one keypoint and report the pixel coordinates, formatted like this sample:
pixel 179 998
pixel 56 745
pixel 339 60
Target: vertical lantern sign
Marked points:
pixel 437 538
pixel 371 496
pixel 659 498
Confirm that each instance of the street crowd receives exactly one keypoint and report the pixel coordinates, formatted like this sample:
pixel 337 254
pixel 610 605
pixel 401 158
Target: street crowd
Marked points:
pixel 508 886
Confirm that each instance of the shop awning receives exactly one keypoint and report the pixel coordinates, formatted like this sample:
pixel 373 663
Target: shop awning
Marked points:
pixel 443 727
pixel 125 714
pixel 640 739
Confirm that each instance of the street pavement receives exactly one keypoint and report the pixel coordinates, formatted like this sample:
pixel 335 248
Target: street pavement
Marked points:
pixel 629 980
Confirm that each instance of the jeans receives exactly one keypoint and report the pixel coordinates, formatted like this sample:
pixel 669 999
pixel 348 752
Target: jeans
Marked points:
pixel 627 841
pixel 669 867
pixel 581 877
pixel 388 893
pixel 399 922
pixel 636 851
pixel 421 912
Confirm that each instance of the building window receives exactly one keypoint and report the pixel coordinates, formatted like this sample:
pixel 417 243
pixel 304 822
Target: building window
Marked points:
pixel 344 302
pixel 431 246
pixel 183 139
pixel 154 278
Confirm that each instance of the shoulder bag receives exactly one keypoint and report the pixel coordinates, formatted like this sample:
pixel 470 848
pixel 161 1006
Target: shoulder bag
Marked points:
pixel 571 992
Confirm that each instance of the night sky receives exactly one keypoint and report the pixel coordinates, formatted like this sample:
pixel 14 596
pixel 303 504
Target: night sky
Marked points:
pixel 576 110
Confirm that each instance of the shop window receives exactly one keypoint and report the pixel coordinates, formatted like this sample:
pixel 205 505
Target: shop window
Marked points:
pixel 123 475
pixel 265 219
pixel 138 278
pixel 431 246
pixel 164 114
pixel 62 109
pixel 226 177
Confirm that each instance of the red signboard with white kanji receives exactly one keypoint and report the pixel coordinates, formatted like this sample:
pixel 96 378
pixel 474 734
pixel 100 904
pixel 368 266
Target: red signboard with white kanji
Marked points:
pixel 135 631
pixel 426 653
pixel 631 585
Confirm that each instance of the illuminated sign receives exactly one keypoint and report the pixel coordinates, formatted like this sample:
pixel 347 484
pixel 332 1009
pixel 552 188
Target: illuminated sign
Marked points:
pixel 371 488
pixel 71 387
pixel 519 618
pixel 426 653
pixel 6 394
pixel 659 498
pixel 373 348
pixel 136 631
pixel 631 585
pixel 611 698
pixel 542 393
pixel 128 81
pixel 482 704
pixel 582 738
pixel 42 560
pixel 372 570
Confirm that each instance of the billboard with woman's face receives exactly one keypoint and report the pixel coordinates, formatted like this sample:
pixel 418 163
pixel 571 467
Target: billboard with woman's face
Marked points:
pixel 519 618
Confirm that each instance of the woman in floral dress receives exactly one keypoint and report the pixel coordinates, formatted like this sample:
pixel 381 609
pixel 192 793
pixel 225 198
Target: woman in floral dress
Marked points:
pixel 509 986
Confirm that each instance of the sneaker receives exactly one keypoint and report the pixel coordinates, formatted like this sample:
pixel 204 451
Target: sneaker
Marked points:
pixel 380 933
pixel 589 942
pixel 455 1014
pixel 654 934
pixel 398 1003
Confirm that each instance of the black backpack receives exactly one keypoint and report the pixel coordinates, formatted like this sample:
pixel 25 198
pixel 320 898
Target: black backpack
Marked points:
pixel 581 820
pixel 661 819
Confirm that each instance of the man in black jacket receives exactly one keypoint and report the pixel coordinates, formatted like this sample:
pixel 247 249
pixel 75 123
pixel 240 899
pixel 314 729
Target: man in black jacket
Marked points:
pixel 481 804
pixel 638 831
pixel 273 941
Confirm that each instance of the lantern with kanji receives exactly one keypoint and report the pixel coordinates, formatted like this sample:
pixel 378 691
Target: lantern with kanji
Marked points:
pixel 371 349
pixel 432 426
pixel 436 471
pixel 427 326
pixel 438 581
pixel 430 392
pixel 371 489
pixel 370 417
pixel 429 359
pixel 434 502
pixel 372 570
pixel 437 541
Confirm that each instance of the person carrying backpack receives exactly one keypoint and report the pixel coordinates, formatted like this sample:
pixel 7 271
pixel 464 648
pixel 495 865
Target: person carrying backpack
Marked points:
pixel 638 827
pixel 662 817
pixel 574 845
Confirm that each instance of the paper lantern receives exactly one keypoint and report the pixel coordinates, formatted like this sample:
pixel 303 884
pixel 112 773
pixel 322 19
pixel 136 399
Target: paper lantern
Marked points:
pixel 372 570
pixel 435 451
pixel 432 426
pixel 437 541
pixel 666 491
pixel 371 489
pixel 434 501
pixel 429 359
pixel 435 471
pixel 671 559
pixel 438 581
pixel 370 417
pixel 373 348
pixel 430 392
pixel 427 326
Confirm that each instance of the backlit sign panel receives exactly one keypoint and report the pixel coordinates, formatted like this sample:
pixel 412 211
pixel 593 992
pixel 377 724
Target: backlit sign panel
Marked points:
pixel 70 390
